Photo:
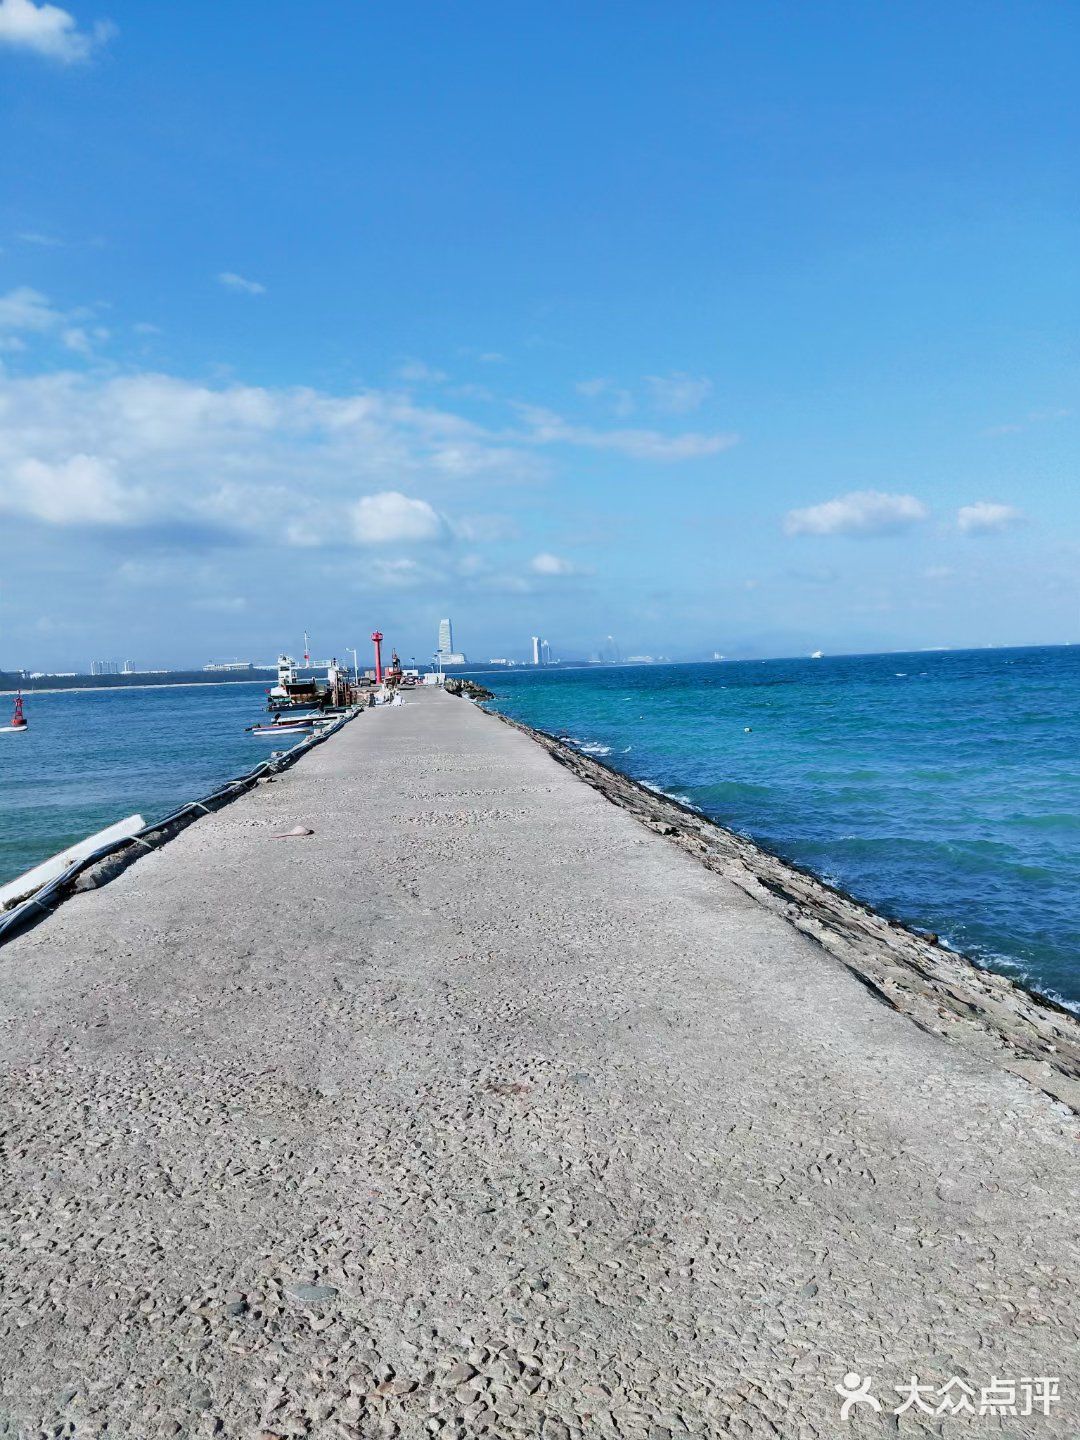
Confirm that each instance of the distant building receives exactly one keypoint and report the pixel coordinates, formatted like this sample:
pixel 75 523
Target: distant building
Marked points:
pixel 104 667
pixel 536 649
pixel 231 665
pixel 446 654
pixel 545 653
pixel 129 667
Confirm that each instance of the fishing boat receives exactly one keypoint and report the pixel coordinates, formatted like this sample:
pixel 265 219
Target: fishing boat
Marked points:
pixel 282 727
pixel 19 724
pixel 287 717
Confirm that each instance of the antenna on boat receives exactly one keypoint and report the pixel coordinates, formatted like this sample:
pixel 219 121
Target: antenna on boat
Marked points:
pixel 307 650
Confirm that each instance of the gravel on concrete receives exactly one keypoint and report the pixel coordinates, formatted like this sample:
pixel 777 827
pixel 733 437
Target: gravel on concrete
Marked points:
pixel 486 1110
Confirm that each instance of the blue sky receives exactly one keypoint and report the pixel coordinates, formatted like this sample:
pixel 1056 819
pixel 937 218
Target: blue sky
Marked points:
pixel 712 326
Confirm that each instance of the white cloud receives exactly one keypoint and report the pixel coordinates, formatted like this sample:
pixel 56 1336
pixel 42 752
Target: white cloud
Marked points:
pixel 678 394
pixel 37 237
pixel 81 490
pixel 400 573
pixel 295 466
pixel 416 372
pixel 547 564
pixel 547 428
pixel 862 512
pixel 985 516
pixel 26 309
pixel 284 465
pixel 391 517
pixel 485 357
pixel 232 281
pixel 483 529
pixel 50 31
pixel 620 400
pixel 81 340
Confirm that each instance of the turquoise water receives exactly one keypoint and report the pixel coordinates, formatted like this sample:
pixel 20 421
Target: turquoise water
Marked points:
pixel 942 788
pixel 90 757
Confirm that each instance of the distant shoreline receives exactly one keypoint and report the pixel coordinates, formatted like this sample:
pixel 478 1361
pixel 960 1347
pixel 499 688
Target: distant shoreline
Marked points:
pixel 115 689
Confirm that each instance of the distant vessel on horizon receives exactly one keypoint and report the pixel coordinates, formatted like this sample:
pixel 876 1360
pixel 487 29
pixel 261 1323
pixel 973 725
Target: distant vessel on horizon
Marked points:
pixel 818 655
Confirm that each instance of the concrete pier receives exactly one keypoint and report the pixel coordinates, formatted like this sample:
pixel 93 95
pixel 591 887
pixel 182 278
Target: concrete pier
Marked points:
pixel 485 1110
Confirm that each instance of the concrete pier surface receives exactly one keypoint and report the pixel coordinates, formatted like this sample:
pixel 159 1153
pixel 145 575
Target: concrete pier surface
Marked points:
pixel 484 1110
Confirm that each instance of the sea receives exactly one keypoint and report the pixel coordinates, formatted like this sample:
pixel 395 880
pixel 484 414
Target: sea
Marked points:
pixel 941 787
pixel 91 757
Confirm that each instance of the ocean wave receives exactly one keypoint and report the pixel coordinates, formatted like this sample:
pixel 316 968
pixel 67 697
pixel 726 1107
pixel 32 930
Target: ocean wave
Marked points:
pixel 1061 821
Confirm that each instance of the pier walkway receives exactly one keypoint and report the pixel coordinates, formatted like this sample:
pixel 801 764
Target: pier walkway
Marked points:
pixel 485 1110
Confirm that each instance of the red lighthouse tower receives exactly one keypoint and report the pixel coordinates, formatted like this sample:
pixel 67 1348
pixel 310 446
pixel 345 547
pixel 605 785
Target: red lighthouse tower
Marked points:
pixel 376 636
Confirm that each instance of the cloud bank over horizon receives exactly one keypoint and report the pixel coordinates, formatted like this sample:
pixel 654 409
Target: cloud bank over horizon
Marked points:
pixel 94 447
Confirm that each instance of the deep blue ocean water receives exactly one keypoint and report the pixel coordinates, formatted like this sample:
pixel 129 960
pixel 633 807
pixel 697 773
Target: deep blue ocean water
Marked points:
pixel 91 757
pixel 942 788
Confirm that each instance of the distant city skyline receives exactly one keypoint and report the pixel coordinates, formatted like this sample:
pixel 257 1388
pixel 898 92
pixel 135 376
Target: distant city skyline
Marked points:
pixel 753 332
pixel 233 668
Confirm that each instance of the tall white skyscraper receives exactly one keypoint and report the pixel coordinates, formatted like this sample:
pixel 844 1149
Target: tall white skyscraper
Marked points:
pixel 446 653
pixel 536 649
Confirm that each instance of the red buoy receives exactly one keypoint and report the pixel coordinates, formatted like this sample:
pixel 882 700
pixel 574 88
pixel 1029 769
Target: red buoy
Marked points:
pixel 18 719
